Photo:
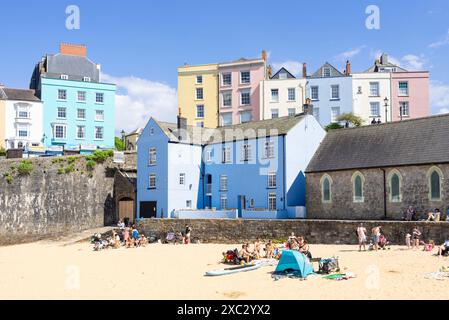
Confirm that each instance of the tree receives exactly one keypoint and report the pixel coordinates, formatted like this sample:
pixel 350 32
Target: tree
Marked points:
pixel 333 126
pixel 119 144
pixel 351 118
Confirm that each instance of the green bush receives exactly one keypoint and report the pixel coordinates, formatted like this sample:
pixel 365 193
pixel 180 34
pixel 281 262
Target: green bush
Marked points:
pixel 333 126
pixel 8 177
pixel 61 170
pixel 70 169
pixel 25 167
pixel 71 160
pixel 90 165
pixel 2 152
pixel 119 144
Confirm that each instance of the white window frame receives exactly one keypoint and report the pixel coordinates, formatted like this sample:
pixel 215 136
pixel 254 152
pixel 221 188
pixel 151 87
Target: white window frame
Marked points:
pixel 246 152
pixel 335 88
pixel 226 155
pixel 223 116
pixel 182 179
pixel 86 79
pixel 249 97
pixel 23 128
pixel 371 109
pixel 357 199
pixel 291 94
pixel 199 77
pixel 62 109
pixel 96 131
pixel 325 73
pixel 246 80
pixel 291 112
pixel 199 97
pixel 226 93
pixel 275 95
pixel 152 156
pixel 64 131
pixel 78 131
pixel 402 109
pixel 198 108
pixel 152 183
pixel 224 182
pixel 317 89
pixel 78 114
pixel 97 118
pixel 401 94
pixel 62 94
pixel 272 180
pixel 223 78
pixel 189 204
pixel 81 94
pixel 23 109
pixel 376 86
pixel 272 201
pixel 274 112
pixel 97 96
pixel 334 118
pixel 269 149
pixel 224 201
pixel 243 113
pixel 64 77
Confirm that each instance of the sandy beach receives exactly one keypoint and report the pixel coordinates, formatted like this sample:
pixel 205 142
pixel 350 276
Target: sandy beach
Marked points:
pixel 52 270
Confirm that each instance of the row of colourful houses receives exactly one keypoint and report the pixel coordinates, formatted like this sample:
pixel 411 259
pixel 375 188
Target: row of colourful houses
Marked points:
pixel 66 108
pixel 245 90
pixel 289 167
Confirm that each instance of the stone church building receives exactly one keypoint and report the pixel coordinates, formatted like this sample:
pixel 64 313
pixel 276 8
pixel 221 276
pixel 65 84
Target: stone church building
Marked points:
pixel 377 172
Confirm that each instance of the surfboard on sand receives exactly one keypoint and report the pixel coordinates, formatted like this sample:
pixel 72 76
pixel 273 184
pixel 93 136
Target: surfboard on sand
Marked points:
pixel 227 271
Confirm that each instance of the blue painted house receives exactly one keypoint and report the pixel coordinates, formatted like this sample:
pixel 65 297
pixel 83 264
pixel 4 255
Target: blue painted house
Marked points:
pixel 252 170
pixel 331 93
pixel 79 110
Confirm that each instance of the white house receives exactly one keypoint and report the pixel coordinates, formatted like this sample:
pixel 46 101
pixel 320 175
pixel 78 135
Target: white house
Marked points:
pixel 23 114
pixel 369 93
pixel 282 95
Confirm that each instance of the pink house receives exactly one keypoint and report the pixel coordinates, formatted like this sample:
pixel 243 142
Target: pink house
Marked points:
pixel 410 93
pixel 239 88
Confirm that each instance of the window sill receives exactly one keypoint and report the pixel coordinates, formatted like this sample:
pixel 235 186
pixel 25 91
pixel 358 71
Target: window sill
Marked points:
pixel 83 102
pixel 81 119
pixel 373 96
pixel 151 188
pixel 99 103
pixel 65 119
pixel 80 139
pixel 98 139
pixel 99 120
pixel 152 165
pixel 334 99
pixel 272 188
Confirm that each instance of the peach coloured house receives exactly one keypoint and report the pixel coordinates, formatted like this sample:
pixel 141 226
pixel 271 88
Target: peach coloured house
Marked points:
pixel 239 90
pixel 410 94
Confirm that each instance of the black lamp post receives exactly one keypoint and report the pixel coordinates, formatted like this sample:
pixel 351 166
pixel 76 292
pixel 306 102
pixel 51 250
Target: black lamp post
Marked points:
pixel 386 109
pixel 123 135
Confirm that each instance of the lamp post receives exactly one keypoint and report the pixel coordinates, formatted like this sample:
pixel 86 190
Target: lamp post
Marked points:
pixel 123 135
pixel 386 109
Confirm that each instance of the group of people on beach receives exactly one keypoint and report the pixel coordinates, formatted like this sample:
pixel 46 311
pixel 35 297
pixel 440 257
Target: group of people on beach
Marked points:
pixel 378 239
pixel 247 254
pixel 434 215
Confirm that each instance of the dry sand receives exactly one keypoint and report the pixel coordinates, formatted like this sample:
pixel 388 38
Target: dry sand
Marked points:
pixel 54 271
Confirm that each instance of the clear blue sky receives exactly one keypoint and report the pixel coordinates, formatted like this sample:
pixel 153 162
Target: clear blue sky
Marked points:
pixel 150 39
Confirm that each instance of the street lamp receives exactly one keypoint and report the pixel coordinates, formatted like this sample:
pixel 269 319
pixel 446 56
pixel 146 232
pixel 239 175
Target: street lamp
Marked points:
pixel 123 135
pixel 386 109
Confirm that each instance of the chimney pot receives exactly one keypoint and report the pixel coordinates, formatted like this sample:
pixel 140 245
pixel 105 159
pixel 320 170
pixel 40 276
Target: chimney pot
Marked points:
pixel 348 68
pixel 304 70
pixel 264 55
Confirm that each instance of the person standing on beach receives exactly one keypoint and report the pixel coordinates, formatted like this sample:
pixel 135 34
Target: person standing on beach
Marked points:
pixel 361 234
pixel 416 235
pixel 376 237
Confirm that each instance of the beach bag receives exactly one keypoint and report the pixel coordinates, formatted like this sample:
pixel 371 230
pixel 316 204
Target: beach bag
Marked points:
pixel 170 236
pixel 328 266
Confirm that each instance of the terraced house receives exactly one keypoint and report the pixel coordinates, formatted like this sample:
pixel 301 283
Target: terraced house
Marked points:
pixel 79 110
pixel 250 170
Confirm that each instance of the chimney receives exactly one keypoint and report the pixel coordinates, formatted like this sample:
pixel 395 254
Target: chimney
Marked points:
pixel 182 127
pixel 308 107
pixel 348 68
pixel 270 72
pixel 384 58
pixel 265 55
pixel 73 49
pixel 304 70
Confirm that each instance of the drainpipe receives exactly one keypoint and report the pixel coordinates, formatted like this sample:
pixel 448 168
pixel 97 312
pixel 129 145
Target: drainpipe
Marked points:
pixel 385 193
pixel 284 173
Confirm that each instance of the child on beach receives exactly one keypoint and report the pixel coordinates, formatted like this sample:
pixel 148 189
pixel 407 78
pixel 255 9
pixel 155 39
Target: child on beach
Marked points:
pixel 408 241
pixel 416 235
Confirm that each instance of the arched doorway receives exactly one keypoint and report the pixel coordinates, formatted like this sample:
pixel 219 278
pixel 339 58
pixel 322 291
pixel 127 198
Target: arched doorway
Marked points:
pixel 126 209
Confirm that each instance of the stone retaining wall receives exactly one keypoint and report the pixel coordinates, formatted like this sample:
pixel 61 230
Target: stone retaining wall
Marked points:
pixel 315 231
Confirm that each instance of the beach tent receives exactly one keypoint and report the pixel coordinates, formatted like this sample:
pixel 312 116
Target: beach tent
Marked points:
pixel 296 262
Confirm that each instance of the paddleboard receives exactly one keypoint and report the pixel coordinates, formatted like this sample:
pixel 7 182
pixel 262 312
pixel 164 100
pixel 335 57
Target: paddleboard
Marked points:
pixel 227 271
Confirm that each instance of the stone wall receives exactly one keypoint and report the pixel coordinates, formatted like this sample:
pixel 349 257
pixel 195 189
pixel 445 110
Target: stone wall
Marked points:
pixel 49 203
pixel 316 231
pixel 414 190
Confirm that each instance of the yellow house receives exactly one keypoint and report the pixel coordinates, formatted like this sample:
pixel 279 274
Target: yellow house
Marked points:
pixel 198 94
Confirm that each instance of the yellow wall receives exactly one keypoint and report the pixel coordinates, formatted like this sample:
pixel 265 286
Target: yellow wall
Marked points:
pixel 187 94
pixel 2 122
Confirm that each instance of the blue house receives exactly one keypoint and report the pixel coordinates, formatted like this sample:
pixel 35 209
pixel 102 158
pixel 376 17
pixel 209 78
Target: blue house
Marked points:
pixel 330 92
pixel 252 170
pixel 79 110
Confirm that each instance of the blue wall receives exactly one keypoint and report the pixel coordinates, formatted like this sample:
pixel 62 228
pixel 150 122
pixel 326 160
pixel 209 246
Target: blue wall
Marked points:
pixel 325 103
pixel 247 179
pixel 50 89
pixel 159 141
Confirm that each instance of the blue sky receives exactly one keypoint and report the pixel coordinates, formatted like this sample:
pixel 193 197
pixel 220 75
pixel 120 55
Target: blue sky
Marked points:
pixel 140 44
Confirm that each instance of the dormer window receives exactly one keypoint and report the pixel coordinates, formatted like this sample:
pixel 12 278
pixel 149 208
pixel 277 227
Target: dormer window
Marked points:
pixel 64 77
pixel 326 72
pixel 86 79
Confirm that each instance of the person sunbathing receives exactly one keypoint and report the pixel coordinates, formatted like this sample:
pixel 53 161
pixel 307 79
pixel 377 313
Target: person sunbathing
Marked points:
pixel 244 255
pixel 304 247
pixel 444 249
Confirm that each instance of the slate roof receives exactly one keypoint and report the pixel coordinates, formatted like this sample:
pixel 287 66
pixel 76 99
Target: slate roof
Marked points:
pixel 289 74
pixel 250 130
pixel 75 67
pixel 411 142
pixel 334 71
pixel 18 95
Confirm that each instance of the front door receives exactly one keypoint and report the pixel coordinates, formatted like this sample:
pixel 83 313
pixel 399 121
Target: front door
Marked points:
pixel 241 205
pixel 126 210
pixel 148 209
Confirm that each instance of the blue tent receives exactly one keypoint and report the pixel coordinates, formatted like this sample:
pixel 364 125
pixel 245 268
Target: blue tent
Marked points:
pixel 295 262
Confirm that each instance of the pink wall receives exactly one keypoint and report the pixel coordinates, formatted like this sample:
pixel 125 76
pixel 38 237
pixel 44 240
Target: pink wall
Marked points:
pixel 418 98
pixel 257 75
